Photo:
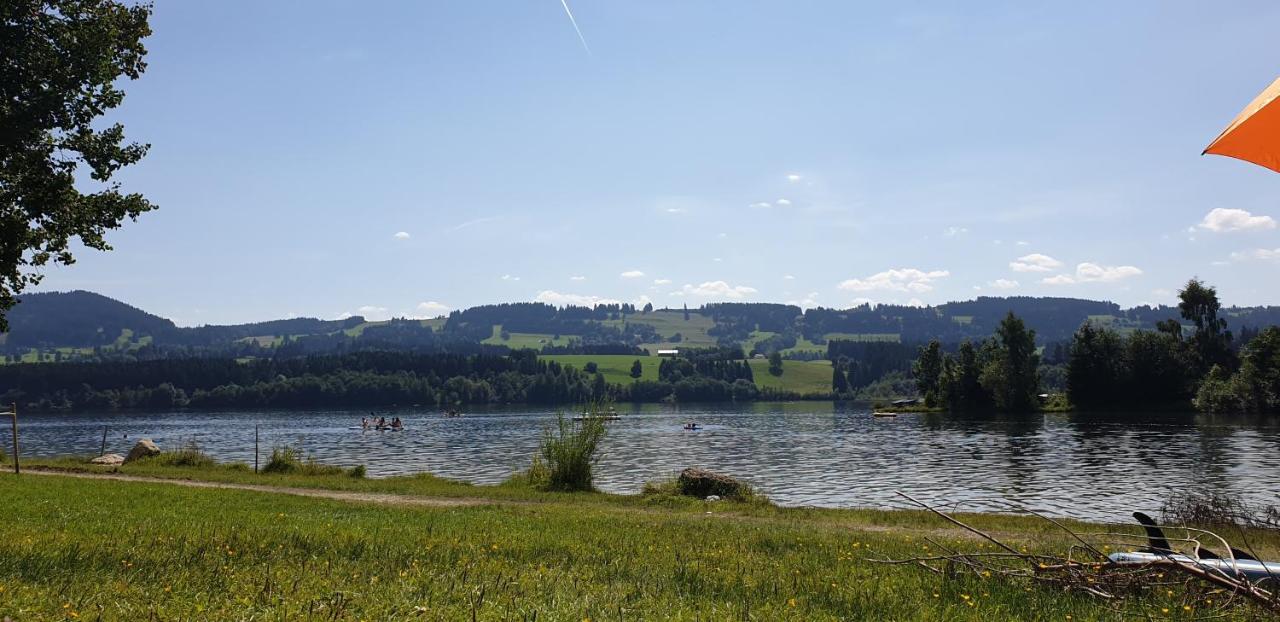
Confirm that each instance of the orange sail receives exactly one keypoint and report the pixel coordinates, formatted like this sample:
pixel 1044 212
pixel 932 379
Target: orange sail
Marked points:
pixel 1254 135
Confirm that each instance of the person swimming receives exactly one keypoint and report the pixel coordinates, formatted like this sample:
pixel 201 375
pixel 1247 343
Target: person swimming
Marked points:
pixel 396 425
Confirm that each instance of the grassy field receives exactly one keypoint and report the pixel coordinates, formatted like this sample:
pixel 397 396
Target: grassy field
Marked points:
pixel 355 331
pixel 693 332
pixel 124 342
pixel 615 367
pixel 92 549
pixel 524 340
pixel 804 377
pixel 804 345
pixel 889 337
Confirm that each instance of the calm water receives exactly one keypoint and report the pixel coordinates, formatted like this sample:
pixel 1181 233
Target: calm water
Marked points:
pixel 808 453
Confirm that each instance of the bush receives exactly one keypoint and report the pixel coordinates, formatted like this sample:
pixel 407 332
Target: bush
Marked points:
pixel 189 455
pixel 356 472
pixel 287 459
pixel 1217 510
pixel 569 453
pixel 702 484
pixel 284 459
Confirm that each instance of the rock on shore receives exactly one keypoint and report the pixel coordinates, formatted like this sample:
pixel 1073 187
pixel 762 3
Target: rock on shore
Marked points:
pixel 143 449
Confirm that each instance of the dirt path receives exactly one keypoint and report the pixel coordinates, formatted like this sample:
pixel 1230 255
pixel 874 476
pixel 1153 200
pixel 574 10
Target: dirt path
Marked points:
pixel 340 495
pixel 405 500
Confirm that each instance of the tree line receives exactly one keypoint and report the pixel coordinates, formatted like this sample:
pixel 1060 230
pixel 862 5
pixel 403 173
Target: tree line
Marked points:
pixel 1192 360
pixel 373 379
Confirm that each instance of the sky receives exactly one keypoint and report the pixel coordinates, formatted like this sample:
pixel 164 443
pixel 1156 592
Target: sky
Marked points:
pixel 324 159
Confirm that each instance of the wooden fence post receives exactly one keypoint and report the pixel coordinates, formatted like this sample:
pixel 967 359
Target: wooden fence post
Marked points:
pixel 13 413
pixel 104 442
pixel 255 449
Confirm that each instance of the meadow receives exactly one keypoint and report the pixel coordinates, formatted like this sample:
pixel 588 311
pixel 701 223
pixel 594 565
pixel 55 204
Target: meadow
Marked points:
pixel 803 377
pixel 94 549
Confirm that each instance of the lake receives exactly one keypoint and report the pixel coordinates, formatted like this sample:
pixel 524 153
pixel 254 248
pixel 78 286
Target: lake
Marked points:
pixel 1097 467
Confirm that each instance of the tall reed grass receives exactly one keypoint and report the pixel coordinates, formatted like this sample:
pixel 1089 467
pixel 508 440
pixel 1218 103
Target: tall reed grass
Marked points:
pixel 569 452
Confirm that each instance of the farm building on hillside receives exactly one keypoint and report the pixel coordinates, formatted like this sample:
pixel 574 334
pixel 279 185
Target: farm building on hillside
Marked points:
pixel 670 353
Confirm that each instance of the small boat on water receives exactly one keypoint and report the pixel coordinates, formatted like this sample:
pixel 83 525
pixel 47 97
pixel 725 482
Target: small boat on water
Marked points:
pixel 597 417
pixel 692 427
pixel 451 413
pixel 884 414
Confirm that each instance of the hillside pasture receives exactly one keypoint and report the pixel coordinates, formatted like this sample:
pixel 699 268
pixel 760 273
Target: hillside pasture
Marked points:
pixel 518 341
pixel 616 368
pixel 803 377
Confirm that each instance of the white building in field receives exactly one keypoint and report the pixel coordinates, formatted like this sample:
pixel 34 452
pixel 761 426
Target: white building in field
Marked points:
pixel 669 353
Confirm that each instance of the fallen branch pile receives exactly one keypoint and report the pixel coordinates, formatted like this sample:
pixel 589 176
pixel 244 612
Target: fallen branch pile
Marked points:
pixel 1096 564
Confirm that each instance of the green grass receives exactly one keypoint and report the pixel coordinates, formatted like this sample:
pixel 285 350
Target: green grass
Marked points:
pixel 435 323
pixel 754 338
pixel 804 377
pixel 615 367
pixel 72 549
pixel 869 337
pixel 525 340
pixel 804 345
pixel 693 332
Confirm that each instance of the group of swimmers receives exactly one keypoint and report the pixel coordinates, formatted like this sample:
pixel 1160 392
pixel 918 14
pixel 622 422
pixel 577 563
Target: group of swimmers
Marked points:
pixel 380 423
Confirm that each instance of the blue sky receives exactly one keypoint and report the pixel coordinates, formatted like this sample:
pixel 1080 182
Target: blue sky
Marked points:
pixel 324 158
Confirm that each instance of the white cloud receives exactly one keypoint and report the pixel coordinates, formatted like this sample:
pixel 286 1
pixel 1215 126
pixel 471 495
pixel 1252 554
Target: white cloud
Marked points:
pixel 432 308
pixel 1088 272
pixel 722 235
pixel 473 222
pixel 809 301
pixel 718 289
pixel 1221 220
pixel 793 178
pixel 716 259
pixel 675 210
pixel 662 281
pixel 788 277
pixel 508 277
pixel 762 205
pixel 782 202
pixel 1257 254
pixel 560 300
pixel 371 313
pixel 915 302
pixel 952 232
pixel 898 280
pixel 577 277
pixel 632 274
pixel 401 235
pixel 1022 243
pixel 1035 262
pixel 1094 272
pixel 1003 284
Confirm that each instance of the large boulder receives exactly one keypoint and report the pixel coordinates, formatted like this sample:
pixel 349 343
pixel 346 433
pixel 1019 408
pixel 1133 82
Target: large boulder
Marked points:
pixel 108 460
pixel 701 483
pixel 143 449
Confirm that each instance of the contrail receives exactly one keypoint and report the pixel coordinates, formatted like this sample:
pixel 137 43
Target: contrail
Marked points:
pixel 565 4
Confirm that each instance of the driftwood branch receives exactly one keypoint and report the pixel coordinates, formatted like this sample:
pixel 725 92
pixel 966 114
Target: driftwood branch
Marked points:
pixel 1085 567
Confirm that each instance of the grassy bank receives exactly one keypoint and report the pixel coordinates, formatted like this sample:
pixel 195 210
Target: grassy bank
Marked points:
pixel 72 548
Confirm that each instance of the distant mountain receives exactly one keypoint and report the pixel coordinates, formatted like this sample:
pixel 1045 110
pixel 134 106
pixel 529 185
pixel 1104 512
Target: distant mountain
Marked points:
pixel 79 324
pixel 77 319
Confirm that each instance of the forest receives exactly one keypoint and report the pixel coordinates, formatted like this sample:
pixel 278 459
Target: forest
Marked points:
pixel 1177 366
